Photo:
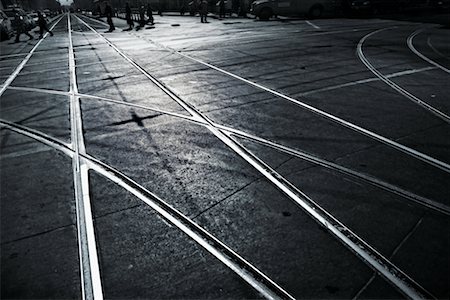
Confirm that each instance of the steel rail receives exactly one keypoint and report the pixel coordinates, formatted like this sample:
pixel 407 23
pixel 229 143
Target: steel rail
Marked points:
pixel 443 116
pixel 359 247
pixel 25 60
pixel 428 60
pixel 391 143
pixel 89 266
pixel 258 280
pixel 423 201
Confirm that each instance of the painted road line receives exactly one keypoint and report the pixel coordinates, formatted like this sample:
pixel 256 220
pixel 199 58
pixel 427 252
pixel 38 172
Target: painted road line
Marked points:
pixel 413 49
pixel 261 282
pixel 393 85
pixel 312 24
pixel 391 143
pixel 89 267
pixel 25 60
pixel 359 247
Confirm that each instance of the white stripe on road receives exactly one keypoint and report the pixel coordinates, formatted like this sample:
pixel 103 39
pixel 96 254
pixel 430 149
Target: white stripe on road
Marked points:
pixel 312 24
pixel 393 85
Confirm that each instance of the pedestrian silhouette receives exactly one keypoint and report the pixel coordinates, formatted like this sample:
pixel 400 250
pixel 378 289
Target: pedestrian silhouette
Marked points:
pixel 21 27
pixel 203 11
pixel 141 17
pixel 150 15
pixel 42 22
pixel 128 16
pixel 221 8
pixel 109 15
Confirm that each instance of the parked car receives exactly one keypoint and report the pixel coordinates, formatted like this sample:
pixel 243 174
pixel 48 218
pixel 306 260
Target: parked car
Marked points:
pixel 264 9
pixel 11 13
pixel 6 30
pixel 385 6
pixel 440 5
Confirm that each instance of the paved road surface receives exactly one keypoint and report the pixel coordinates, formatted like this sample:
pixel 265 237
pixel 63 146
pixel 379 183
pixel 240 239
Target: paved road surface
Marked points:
pixel 234 159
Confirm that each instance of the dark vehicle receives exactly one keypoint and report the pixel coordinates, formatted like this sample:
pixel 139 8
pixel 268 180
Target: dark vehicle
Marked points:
pixel 384 6
pixel 264 9
pixel 6 30
pixel 440 5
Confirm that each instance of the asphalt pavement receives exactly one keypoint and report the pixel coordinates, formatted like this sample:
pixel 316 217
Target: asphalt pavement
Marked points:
pixel 238 159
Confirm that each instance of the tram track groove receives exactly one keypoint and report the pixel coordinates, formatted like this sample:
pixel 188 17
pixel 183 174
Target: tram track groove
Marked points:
pixel 89 266
pixel 356 128
pixel 419 54
pixel 25 60
pixel 257 279
pixel 359 50
pixel 401 281
pixel 362 177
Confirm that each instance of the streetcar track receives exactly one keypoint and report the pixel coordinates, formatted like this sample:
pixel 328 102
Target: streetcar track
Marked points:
pixel 25 60
pixel 89 266
pixel 258 280
pixel 400 147
pixel 422 56
pixel 436 50
pixel 428 203
pixel 354 243
pixel 423 201
pixel 393 85
pixel 363 81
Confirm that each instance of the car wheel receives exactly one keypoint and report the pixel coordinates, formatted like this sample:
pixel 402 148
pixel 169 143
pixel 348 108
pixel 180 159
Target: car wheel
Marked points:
pixel 315 11
pixel 265 14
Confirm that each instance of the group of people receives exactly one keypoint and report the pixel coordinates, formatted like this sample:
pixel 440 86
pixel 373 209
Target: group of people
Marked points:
pixel 202 8
pixel 128 16
pixel 22 28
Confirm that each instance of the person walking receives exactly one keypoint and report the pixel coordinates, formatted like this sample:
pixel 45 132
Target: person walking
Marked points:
pixel 128 16
pixel 20 27
pixel 42 22
pixel 203 11
pixel 141 17
pixel 221 9
pixel 150 14
pixel 109 15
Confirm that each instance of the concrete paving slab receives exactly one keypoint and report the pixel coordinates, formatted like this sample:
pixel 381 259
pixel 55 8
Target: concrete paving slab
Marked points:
pixel 143 256
pixel 39 253
pixel 47 113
